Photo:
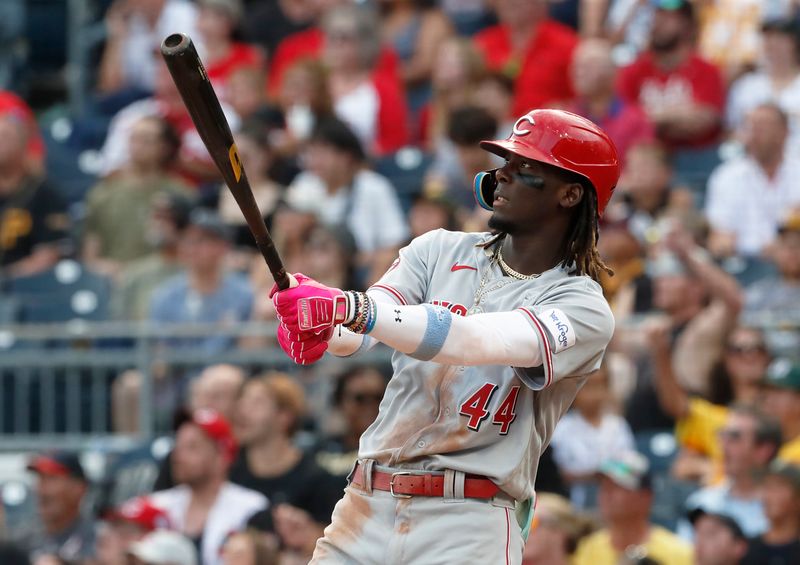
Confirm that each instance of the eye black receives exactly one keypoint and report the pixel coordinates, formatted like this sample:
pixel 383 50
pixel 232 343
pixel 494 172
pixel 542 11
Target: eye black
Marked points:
pixel 533 181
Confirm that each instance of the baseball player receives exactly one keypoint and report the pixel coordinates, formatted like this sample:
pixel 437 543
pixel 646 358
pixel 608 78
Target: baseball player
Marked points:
pixel 494 333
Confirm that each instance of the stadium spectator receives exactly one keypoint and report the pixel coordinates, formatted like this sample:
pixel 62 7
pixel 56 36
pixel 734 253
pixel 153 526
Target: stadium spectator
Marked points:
pixel 216 388
pixel 531 48
pixel 588 435
pixel 13 105
pixel 117 207
pixel 134 32
pixel 340 191
pixel 625 500
pixel 682 94
pixel 629 291
pixel 245 93
pixel 749 441
pixel 593 77
pixel 748 195
pixel 125 525
pixel 428 214
pixel 556 530
pixel 452 173
pixel 310 44
pixel 646 191
pixel 169 216
pixel 194 162
pixel 455 77
pixel 268 23
pixel 416 29
pixel 256 151
pixel 269 413
pixel 731 31
pixel 782 400
pixel 205 293
pixel 222 55
pixel 250 547
pixel 777 297
pixel 696 304
pixel 61 528
pixel 34 225
pixel 374 107
pixel 775 79
pixel 780 544
pixel 305 100
pixel 718 539
pixel 735 378
pixel 494 92
pixel 328 253
pixel 205 506
pixel 357 394
pixel 164 548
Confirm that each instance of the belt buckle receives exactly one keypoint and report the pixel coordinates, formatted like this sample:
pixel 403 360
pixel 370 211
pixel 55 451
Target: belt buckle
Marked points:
pixel 391 485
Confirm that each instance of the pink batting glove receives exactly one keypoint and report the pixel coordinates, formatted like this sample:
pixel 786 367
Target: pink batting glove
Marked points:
pixel 309 306
pixel 304 348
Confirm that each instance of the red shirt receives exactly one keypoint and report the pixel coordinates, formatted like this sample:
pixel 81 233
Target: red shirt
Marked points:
pixel 308 44
pixel 626 124
pixel 392 130
pixel 695 81
pixel 10 103
pixel 241 55
pixel 542 76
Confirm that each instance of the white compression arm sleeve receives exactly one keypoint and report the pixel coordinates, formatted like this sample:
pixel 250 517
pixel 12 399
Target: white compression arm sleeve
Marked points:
pixel 432 333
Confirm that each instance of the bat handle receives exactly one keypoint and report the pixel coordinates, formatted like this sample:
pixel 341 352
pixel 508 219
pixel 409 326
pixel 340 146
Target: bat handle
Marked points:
pixel 270 254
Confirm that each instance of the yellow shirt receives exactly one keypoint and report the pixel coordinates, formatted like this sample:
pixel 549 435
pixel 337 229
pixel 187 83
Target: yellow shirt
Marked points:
pixel 790 451
pixel 699 429
pixel 662 545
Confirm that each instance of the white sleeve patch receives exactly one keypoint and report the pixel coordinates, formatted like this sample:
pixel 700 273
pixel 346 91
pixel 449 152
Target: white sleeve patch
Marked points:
pixel 559 327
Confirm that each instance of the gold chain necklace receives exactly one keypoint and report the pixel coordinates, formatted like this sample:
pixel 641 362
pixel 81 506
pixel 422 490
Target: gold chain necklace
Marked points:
pixel 509 271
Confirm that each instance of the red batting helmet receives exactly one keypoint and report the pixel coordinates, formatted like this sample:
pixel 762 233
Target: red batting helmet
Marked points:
pixel 560 139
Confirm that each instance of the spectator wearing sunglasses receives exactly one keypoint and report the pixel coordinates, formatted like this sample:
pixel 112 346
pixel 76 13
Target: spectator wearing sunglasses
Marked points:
pixel 736 377
pixel 358 393
pixel 749 440
pixel 782 399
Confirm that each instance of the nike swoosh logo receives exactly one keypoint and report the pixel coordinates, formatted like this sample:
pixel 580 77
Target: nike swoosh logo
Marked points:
pixel 457 267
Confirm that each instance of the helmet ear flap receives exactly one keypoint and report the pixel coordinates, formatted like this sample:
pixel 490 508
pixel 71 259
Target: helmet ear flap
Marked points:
pixel 484 186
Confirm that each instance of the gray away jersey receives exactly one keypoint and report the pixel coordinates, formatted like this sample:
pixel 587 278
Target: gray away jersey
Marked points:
pixel 490 420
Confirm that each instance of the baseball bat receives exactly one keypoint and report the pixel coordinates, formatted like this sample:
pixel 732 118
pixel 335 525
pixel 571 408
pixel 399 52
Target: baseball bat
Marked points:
pixel 192 81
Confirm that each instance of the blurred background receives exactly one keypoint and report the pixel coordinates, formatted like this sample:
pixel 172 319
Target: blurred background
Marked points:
pixel 136 332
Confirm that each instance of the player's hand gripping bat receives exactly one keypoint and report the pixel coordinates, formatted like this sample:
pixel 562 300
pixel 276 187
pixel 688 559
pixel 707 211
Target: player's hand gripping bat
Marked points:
pixel 192 81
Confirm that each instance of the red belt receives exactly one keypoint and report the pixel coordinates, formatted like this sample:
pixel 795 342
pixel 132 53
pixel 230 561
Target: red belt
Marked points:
pixel 404 484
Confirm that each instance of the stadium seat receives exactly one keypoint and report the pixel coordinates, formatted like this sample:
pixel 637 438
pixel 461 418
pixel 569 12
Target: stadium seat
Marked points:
pixel 66 292
pixel 405 169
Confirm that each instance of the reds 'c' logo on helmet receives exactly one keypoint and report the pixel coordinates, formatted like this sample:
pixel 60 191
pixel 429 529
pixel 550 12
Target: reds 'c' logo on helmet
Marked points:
pixel 561 139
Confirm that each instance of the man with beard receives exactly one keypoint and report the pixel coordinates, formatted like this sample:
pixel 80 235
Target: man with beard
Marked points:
pixel 205 506
pixel 682 94
pixel 62 531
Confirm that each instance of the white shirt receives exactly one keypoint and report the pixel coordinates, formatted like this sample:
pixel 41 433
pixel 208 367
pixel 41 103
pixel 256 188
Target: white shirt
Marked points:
pixel 754 89
pixel 743 201
pixel 359 109
pixel 233 507
pixel 369 208
pixel 139 52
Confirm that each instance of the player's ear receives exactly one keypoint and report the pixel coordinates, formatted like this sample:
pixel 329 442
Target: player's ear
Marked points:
pixel 570 194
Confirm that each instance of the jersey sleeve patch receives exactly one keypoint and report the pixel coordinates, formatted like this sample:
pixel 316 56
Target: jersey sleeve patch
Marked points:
pixel 560 329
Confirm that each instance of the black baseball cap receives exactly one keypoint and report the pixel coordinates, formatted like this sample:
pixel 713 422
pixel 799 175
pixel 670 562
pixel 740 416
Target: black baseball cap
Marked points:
pixel 58 463
pixel 720 516
pixel 337 134
pixel 210 222
pixel 788 26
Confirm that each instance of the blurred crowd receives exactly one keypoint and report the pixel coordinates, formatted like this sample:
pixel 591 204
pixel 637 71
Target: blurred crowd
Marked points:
pixel 358 126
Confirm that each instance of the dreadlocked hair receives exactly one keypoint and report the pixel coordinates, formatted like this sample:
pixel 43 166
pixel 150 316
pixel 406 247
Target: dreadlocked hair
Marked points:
pixel 580 246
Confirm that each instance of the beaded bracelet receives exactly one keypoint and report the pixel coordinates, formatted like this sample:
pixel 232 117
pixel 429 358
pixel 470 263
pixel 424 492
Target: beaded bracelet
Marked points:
pixel 365 313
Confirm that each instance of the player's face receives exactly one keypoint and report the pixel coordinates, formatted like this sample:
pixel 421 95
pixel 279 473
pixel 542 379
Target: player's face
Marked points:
pixel 529 194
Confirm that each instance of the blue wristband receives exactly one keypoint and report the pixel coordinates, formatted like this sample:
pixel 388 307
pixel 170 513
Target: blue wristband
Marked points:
pixel 439 321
